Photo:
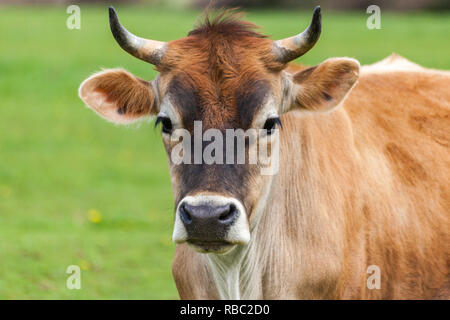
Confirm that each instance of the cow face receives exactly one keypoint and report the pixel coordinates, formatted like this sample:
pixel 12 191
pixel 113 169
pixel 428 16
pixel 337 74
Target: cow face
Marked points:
pixel 219 98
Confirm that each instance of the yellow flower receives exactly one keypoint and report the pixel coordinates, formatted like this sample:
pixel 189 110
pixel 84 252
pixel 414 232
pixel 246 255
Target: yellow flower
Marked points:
pixel 84 265
pixel 94 216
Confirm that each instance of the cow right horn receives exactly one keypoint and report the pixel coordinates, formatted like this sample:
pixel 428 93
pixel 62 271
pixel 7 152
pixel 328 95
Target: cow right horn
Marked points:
pixel 151 51
pixel 291 48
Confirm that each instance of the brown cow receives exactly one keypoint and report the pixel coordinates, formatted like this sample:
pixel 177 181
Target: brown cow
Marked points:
pixel 359 207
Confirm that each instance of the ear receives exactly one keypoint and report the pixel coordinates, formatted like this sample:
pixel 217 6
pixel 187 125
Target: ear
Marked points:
pixel 118 96
pixel 323 87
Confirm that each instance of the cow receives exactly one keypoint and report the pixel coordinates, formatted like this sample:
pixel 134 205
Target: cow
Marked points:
pixel 359 206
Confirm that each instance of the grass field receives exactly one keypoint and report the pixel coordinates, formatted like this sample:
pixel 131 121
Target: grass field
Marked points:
pixel 77 190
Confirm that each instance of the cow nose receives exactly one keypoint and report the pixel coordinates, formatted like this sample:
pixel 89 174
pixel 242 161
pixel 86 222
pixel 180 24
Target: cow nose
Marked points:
pixel 208 214
pixel 207 222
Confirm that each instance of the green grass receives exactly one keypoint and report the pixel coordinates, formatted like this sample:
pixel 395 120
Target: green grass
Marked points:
pixel 58 160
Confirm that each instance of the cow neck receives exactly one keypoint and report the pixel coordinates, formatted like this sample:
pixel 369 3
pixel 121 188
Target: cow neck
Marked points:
pixel 238 274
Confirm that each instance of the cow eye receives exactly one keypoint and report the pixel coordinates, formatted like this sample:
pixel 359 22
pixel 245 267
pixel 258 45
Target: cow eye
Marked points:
pixel 165 123
pixel 271 124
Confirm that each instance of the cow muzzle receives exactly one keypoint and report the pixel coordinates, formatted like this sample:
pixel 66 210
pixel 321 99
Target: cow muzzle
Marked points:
pixel 211 223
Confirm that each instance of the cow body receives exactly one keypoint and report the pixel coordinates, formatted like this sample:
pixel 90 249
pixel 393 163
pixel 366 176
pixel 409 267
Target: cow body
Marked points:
pixel 359 206
pixel 365 184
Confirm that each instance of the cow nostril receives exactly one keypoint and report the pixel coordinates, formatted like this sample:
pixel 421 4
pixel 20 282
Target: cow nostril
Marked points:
pixel 185 215
pixel 228 215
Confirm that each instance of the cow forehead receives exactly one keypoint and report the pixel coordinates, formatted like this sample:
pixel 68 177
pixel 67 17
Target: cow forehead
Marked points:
pixel 218 104
pixel 220 74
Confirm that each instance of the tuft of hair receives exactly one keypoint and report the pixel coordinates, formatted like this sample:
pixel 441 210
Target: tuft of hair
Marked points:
pixel 225 22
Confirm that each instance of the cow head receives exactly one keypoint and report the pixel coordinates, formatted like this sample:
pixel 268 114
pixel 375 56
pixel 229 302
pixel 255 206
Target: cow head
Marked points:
pixel 223 76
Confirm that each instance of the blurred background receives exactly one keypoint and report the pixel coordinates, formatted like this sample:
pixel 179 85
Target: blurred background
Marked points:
pixel 76 190
pixel 331 4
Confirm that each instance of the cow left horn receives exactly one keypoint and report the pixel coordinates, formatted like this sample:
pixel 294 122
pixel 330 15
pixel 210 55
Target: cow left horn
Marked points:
pixel 291 48
pixel 148 50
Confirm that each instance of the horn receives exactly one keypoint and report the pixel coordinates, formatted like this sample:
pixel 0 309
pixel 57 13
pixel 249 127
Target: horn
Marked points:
pixel 148 50
pixel 291 48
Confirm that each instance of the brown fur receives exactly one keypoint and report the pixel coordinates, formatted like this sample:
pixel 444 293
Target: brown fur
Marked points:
pixel 217 59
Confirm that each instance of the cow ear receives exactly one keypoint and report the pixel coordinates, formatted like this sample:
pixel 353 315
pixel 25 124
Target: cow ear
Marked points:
pixel 323 87
pixel 118 96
